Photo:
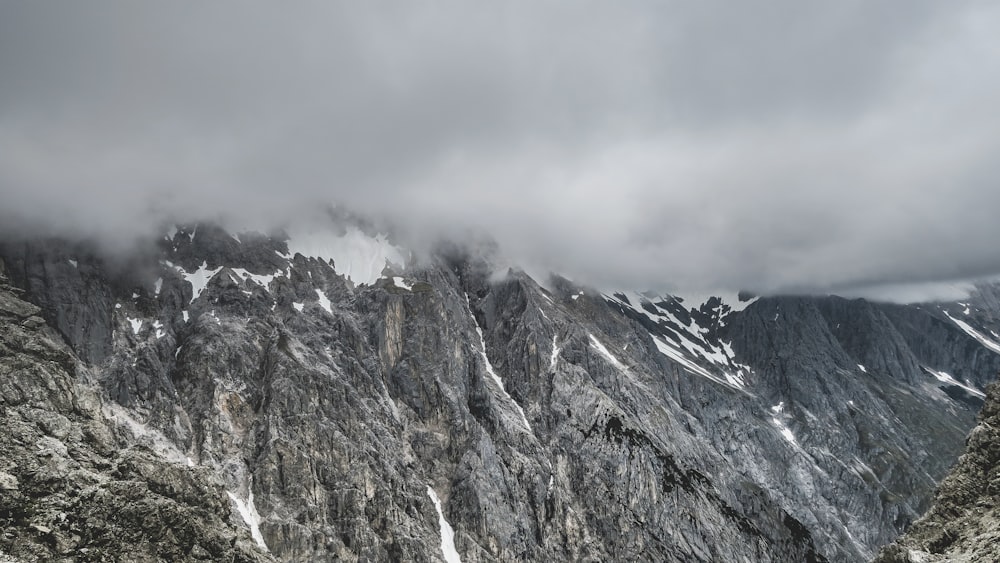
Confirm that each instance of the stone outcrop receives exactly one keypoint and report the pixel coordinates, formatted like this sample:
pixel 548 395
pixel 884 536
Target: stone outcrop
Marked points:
pixel 963 524
pixel 73 485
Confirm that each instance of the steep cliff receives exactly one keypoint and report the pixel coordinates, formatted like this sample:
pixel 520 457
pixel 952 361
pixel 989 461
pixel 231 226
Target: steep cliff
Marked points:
pixel 358 405
pixel 74 486
pixel 964 522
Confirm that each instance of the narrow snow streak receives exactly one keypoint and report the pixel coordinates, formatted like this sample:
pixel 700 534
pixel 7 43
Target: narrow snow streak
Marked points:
pixel 695 343
pixel 692 367
pixel 447 533
pixel 786 433
pixel 604 352
pixel 489 367
pixel 945 377
pixel 250 515
pixel 555 354
pixel 991 344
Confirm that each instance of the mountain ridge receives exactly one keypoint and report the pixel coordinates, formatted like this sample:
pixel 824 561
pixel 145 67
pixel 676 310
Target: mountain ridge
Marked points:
pixel 553 422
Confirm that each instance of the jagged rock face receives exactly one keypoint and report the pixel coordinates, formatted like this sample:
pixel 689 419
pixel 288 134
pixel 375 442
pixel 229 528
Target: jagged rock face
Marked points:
pixel 964 522
pixel 552 424
pixel 72 487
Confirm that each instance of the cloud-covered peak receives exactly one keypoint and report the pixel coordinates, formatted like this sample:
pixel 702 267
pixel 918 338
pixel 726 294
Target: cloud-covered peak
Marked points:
pixel 769 146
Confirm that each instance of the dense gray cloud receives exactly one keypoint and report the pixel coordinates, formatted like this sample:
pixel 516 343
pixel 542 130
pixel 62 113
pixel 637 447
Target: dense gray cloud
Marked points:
pixel 781 145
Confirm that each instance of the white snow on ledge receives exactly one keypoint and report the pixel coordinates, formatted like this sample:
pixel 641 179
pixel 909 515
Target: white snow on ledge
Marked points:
pixel 250 515
pixel 447 533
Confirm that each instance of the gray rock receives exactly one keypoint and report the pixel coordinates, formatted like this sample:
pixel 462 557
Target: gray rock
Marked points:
pixel 964 522
pixel 329 408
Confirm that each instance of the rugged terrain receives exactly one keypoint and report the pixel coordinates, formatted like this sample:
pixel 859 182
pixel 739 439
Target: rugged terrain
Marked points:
pixel 334 398
pixel 964 522
pixel 72 486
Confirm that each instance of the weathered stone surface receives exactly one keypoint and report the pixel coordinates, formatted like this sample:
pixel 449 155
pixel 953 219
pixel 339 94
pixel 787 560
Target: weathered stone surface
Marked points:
pixel 330 408
pixel 70 490
pixel 964 522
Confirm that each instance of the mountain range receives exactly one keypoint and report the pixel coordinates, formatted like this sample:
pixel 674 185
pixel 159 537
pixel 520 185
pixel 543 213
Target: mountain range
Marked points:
pixel 330 395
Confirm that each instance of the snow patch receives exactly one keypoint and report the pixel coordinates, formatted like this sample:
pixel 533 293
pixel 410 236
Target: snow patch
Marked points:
pixel 251 517
pixel 157 286
pixel 186 316
pixel 136 324
pixel 73 263
pixel 400 282
pixel 263 280
pixel 199 278
pixel 447 533
pixel 730 299
pixel 555 353
pixel 324 302
pixel 356 255
pixel 298 306
pixel 862 368
pixel 159 329
pixel 695 343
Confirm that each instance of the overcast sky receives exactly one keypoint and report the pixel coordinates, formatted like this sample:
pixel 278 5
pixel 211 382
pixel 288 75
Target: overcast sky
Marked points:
pixel 780 145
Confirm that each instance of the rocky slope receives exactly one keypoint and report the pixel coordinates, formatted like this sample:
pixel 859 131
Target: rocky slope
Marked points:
pixel 73 486
pixel 356 413
pixel 964 522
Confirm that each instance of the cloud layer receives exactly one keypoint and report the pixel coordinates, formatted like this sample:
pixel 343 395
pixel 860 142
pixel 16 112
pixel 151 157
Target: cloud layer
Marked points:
pixel 777 146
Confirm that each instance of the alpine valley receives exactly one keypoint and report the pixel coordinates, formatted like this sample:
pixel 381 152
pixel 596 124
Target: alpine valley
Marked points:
pixel 327 395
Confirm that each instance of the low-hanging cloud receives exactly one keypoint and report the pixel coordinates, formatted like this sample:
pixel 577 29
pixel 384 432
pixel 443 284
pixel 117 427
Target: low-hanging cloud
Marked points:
pixel 776 146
